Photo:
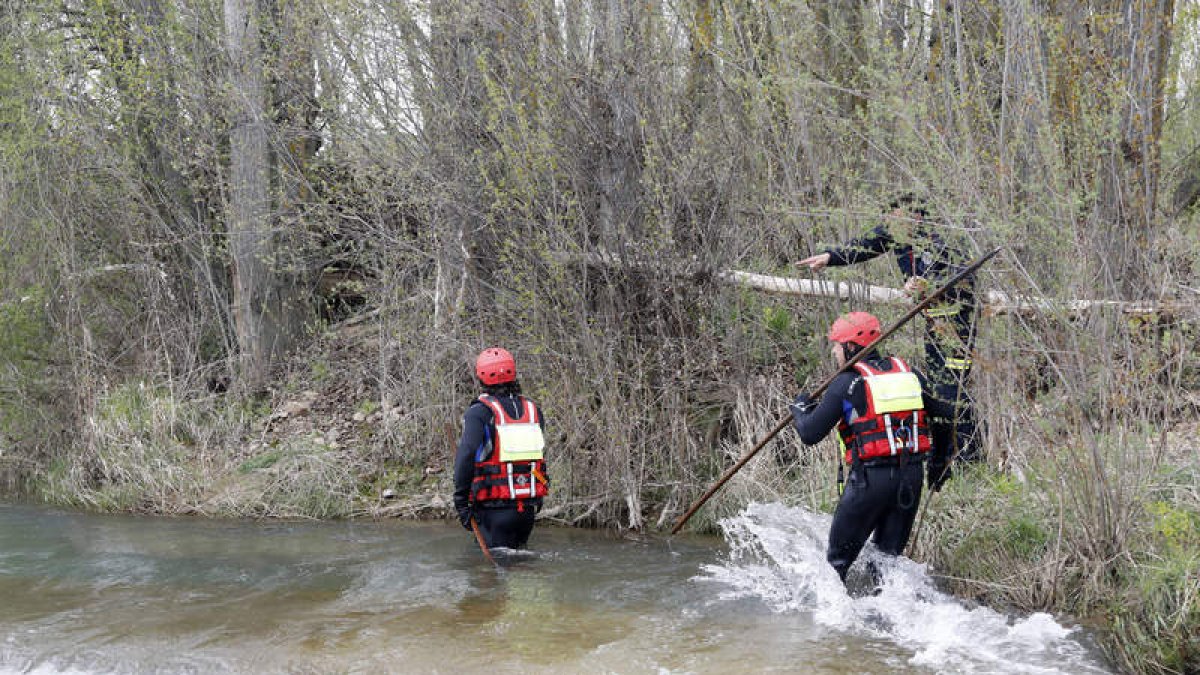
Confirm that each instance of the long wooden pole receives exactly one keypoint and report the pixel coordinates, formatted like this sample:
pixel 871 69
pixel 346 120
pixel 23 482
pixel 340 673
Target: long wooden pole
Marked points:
pixel 783 423
pixel 482 544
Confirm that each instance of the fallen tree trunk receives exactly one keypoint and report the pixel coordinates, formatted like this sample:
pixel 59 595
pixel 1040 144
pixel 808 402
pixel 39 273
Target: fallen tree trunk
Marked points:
pixel 815 287
pixel 993 303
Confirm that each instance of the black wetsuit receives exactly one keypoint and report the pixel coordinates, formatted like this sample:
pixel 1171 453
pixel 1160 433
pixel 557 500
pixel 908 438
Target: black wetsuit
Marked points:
pixel 950 322
pixel 881 495
pixel 502 522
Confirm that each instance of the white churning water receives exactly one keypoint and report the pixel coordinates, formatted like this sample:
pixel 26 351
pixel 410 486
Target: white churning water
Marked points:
pixel 777 556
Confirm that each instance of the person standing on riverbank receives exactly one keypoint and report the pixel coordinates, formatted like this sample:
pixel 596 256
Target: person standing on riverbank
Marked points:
pixel 887 420
pixel 925 257
pixel 499 467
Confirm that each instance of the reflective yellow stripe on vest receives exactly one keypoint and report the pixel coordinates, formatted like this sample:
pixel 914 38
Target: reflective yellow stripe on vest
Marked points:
pixel 520 442
pixel 891 392
pixel 940 311
pixel 958 364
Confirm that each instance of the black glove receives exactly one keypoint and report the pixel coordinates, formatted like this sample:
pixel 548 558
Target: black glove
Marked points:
pixel 803 405
pixel 464 517
pixel 936 475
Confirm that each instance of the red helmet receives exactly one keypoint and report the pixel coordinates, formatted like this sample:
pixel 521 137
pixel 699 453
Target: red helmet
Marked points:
pixel 495 365
pixel 859 328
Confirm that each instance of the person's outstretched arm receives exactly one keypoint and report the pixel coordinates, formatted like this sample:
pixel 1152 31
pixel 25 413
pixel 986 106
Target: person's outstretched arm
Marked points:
pixel 862 249
pixel 854 251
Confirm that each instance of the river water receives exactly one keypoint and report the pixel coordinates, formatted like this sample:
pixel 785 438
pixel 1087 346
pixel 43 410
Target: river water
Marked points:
pixel 85 593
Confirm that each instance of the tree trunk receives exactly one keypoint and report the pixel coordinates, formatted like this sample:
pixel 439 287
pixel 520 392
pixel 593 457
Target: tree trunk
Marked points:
pixel 616 109
pixel 1144 47
pixel 462 37
pixel 895 23
pixel 1023 104
pixel 268 311
pixel 1112 63
pixel 843 52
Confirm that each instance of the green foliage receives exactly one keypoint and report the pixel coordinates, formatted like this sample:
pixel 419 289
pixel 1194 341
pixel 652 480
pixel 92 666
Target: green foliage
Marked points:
pixel 26 394
pixel 778 322
pixel 320 370
pixel 1156 617
pixel 24 329
pixel 261 461
pixel 131 406
pixel 1008 534
pixel 1024 537
pixel 1177 527
pixel 255 406
pixel 399 477
pixel 368 406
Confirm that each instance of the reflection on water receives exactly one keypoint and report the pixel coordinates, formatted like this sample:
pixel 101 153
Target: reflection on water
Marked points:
pixel 83 593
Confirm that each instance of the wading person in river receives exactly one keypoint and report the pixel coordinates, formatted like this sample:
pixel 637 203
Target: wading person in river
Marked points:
pixel 499 470
pixel 925 257
pixel 894 432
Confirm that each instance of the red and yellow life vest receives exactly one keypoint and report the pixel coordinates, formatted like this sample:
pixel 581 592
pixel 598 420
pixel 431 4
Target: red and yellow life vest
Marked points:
pixel 894 423
pixel 513 467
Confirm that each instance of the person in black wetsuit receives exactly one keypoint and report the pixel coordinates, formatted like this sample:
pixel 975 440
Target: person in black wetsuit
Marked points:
pixel 893 430
pixel 499 470
pixel 925 257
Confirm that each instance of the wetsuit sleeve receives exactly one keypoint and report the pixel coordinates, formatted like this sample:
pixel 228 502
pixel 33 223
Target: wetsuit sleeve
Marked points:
pixel 475 421
pixel 816 425
pixel 878 241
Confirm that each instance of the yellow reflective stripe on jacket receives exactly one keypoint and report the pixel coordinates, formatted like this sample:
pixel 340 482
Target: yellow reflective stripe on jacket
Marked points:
pixel 891 392
pixel 958 364
pixel 941 311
